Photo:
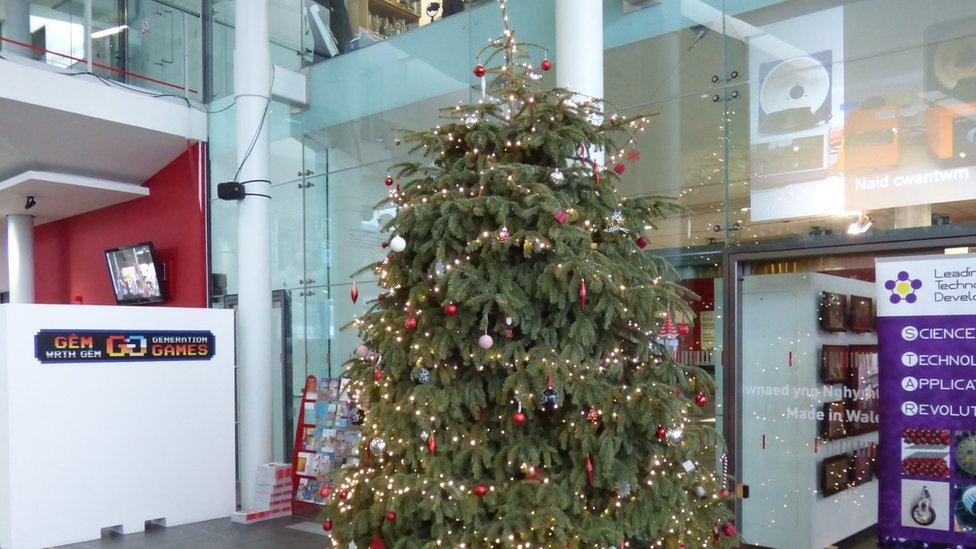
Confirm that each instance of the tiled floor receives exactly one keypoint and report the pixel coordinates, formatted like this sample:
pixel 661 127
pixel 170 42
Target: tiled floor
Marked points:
pixel 216 534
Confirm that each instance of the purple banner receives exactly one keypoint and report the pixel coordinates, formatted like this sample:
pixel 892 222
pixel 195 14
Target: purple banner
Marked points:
pixel 927 457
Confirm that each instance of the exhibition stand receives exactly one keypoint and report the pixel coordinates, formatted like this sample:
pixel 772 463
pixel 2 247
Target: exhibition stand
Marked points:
pixel 112 418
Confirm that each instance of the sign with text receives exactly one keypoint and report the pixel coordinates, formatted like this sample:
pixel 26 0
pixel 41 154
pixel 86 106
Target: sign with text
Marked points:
pixel 72 346
pixel 927 337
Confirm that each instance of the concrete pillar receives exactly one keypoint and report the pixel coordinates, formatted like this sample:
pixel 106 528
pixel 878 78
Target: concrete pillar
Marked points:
pixel 579 49
pixel 16 26
pixel 252 89
pixel 20 257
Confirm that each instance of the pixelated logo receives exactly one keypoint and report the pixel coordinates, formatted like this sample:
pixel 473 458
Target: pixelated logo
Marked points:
pixel 903 288
pixel 131 346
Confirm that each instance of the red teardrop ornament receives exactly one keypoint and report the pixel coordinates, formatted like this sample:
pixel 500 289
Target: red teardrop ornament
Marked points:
pixel 354 293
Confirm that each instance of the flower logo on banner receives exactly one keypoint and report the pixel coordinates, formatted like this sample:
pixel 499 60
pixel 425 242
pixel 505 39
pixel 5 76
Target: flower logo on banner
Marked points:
pixel 903 288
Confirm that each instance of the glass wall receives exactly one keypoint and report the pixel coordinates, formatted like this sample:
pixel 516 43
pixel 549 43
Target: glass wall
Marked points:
pixel 153 44
pixel 775 123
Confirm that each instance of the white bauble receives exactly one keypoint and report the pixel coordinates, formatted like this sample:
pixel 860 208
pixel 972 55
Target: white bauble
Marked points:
pixel 398 244
pixel 362 351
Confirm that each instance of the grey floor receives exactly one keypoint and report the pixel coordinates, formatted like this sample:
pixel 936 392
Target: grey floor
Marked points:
pixel 217 534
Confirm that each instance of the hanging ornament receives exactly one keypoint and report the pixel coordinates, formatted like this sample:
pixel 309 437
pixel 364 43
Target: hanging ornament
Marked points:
pixel 384 244
pixel 619 168
pixel 471 119
pixel 593 415
pixel 724 492
pixel 729 530
pixel 633 156
pixel 503 235
pixel 424 435
pixel 362 351
pixel 421 375
pixel 596 173
pixel 381 297
pixel 388 180
pixel 325 491
pixel 398 244
pixel 641 242
pixel 531 472
pixel 480 490
pixel 377 374
pixel 450 310
pixel 675 434
pixel 683 329
pixel 699 491
pixel 480 71
pixel 518 418
pixel 557 177
pixel 661 432
pixel 582 294
pixel 485 342
pixel 354 292
pixel 327 525
pixel 509 327
pixel 624 489
pixel 377 445
pixel 343 494
pixel 479 414
pixel 549 399
pixel 377 542
pixel 390 516
pixel 561 217
pixel 410 323
pixel 546 64
pixel 431 444
pixel 668 334
pixel 357 416
pixel 701 400
pixel 589 470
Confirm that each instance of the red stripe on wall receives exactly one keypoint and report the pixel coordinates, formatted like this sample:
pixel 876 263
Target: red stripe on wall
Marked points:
pixel 69 255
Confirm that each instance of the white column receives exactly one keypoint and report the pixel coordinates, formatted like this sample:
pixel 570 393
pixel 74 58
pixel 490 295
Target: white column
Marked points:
pixel 20 257
pixel 252 87
pixel 16 26
pixel 579 49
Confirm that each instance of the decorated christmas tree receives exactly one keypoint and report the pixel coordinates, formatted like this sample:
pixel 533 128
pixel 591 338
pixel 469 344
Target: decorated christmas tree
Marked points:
pixel 517 373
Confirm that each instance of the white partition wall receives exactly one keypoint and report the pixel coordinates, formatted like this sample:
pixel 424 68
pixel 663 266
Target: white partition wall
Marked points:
pixel 131 420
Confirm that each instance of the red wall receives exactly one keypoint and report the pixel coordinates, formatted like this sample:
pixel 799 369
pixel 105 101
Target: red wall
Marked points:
pixel 69 255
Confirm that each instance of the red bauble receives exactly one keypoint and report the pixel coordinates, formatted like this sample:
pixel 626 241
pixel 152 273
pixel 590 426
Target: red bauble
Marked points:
pixel 450 309
pixel 384 244
pixel 343 494
pixel 619 168
pixel 381 297
pixel 480 71
pixel 683 329
pixel 533 473
pixel 728 530
pixel 377 374
pixel 518 418
pixel 389 181
pixel 325 492
pixel 545 65
pixel 593 415
pixel 354 293
pixel 701 400
pixel 724 492
pixel 377 542
pixel 480 490
pixel 410 323
pixel 661 432
pixel 390 516
pixel 327 526
pixel 641 242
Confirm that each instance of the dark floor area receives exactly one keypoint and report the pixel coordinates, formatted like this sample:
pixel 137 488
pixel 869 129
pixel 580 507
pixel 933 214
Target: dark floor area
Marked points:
pixel 218 534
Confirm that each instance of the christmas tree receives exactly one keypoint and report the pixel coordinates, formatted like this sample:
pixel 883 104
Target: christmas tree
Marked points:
pixel 517 371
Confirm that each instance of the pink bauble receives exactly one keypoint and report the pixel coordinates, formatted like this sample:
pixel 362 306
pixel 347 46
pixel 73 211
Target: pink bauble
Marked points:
pixel 485 341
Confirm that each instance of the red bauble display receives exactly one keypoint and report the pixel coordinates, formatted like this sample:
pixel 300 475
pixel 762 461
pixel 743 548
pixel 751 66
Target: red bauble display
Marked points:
pixel 410 323
pixel 390 516
pixel 325 492
pixel 354 293
pixel 389 181
pixel 582 294
pixel 327 526
pixel 589 471
pixel 683 329
pixel 377 542
pixel 480 490
pixel 661 432
pixel 480 71
pixel 545 65
pixel 619 168
pixel 701 400
pixel 518 418
pixel 450 309
pixel 343 494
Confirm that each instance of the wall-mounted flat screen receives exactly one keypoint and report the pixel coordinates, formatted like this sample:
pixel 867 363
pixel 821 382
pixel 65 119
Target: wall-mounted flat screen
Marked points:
pixel 135 274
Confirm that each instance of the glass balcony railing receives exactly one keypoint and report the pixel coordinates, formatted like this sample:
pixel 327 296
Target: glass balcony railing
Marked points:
pixel 154 45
